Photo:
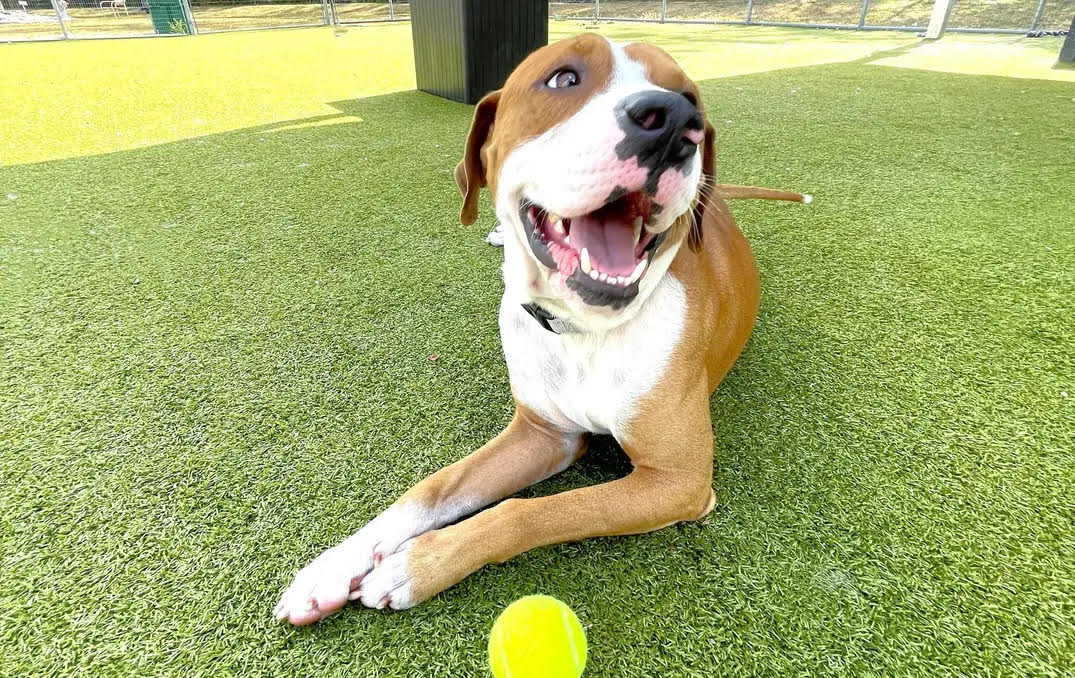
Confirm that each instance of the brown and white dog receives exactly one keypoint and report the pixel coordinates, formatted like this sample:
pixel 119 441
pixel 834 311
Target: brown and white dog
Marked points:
pixel 629 292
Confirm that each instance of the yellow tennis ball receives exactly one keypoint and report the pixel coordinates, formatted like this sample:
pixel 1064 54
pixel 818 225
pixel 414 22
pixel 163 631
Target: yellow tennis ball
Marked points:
pixel 537 637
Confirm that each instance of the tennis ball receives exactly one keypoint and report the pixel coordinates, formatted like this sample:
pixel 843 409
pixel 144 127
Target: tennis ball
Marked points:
pixel 537 637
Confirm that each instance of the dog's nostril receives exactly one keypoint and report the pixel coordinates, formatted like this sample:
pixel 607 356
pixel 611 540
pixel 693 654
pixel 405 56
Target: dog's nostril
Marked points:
pixel 650 118
pixel 684 151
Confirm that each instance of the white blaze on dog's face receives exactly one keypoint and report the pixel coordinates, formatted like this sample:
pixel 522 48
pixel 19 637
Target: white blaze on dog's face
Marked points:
pixel 594 154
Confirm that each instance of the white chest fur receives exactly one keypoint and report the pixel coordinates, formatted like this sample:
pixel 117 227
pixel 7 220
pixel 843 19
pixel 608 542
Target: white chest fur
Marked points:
pixel 592 381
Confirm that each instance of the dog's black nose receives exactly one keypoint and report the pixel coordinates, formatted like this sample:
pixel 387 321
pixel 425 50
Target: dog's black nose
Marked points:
pixel 663 128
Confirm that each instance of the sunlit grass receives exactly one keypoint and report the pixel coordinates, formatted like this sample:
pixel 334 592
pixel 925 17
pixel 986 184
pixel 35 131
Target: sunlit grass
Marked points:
pixel 81 98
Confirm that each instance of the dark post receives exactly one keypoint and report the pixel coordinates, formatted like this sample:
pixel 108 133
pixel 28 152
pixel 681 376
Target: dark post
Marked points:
pixel 464 49
pixel 1067 52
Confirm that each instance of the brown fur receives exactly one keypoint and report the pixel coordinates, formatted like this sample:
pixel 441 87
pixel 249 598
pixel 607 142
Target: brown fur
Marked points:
pixel 522 109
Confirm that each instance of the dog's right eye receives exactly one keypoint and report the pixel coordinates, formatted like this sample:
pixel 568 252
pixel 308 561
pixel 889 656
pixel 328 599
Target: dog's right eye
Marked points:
pixel 564 77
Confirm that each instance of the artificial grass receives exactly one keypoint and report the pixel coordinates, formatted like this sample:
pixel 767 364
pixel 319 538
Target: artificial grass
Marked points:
pixel 216 362
pixel 93 97
pixel 90 97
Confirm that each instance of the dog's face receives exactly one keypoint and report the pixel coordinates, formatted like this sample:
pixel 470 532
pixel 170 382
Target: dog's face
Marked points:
pixel 594 155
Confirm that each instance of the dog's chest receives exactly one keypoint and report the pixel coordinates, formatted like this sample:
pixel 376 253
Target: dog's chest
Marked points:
pixel 592 382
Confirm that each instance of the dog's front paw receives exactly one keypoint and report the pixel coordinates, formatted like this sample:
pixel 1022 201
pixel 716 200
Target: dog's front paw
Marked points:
pixel 496 236
pixel 327 583
pixel 390 583
pixel 323 586
pixel 419 569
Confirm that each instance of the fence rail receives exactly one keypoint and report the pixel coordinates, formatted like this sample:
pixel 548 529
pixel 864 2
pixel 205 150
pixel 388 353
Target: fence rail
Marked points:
pixel 994 16
pixel 33 20
pixel 26 20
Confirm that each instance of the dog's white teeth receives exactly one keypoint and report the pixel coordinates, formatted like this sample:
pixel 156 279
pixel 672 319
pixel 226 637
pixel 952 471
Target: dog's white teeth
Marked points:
pixel 621 280
pixel 584 261
pixel 567 240
pixel 553 217
pixel 638 230
pixel 558 226
pixel 639 270
pixel 593 274
pixel 603 277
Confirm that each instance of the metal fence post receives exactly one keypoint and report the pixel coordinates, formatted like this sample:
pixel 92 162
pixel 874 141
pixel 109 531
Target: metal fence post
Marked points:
pixel 1037 15
pixel 750 10
pixel 866 10
pixel 938 20
pixel 597 9
pixel 664 10
pixel 188 14
pixel 326 13
pixel 391 11
pixel 60 17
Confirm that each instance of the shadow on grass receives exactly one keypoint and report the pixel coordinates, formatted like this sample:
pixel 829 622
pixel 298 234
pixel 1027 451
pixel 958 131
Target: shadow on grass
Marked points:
pixel 899 50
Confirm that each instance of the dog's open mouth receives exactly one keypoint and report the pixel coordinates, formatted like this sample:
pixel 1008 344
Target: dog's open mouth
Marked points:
pixel 602 254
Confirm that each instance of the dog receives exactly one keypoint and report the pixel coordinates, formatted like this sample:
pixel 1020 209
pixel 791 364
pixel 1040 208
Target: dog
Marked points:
pixel 629 292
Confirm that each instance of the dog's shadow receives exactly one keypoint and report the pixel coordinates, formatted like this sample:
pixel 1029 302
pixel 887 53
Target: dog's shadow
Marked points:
pixel 603 462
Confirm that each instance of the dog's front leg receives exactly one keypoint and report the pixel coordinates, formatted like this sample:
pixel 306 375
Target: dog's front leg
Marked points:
pixel 527 451
pixel 671 482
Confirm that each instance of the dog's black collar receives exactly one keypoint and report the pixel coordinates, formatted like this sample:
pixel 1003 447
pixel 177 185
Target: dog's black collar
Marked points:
pixel 549 321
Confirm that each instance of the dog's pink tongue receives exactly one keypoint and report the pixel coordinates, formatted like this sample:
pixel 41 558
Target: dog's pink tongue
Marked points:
pixel 610 243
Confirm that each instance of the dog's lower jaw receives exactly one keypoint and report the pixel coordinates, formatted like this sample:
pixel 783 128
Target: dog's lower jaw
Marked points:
pixel 529 281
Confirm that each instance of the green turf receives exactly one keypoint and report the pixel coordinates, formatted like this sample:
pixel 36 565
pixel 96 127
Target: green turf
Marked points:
pixel 214 363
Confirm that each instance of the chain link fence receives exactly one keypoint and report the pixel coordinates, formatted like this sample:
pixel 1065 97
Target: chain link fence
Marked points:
pixel 72 19
pixel 1004 16
pixel 27 20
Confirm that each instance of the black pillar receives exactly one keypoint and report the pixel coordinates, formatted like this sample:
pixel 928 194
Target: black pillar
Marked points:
pixel 466 48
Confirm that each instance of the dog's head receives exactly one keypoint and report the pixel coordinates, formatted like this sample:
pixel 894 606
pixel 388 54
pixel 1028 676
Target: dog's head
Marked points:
pixel 595 155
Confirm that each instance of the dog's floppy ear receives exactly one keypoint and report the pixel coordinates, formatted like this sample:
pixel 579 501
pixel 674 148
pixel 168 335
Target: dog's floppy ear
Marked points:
pixel 707 182
pixel 470 172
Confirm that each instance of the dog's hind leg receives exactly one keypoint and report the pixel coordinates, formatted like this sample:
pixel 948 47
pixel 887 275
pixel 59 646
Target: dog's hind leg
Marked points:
pixel 526 452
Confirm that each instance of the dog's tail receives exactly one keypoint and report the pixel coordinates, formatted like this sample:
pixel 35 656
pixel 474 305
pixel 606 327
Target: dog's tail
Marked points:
pixel 735 191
